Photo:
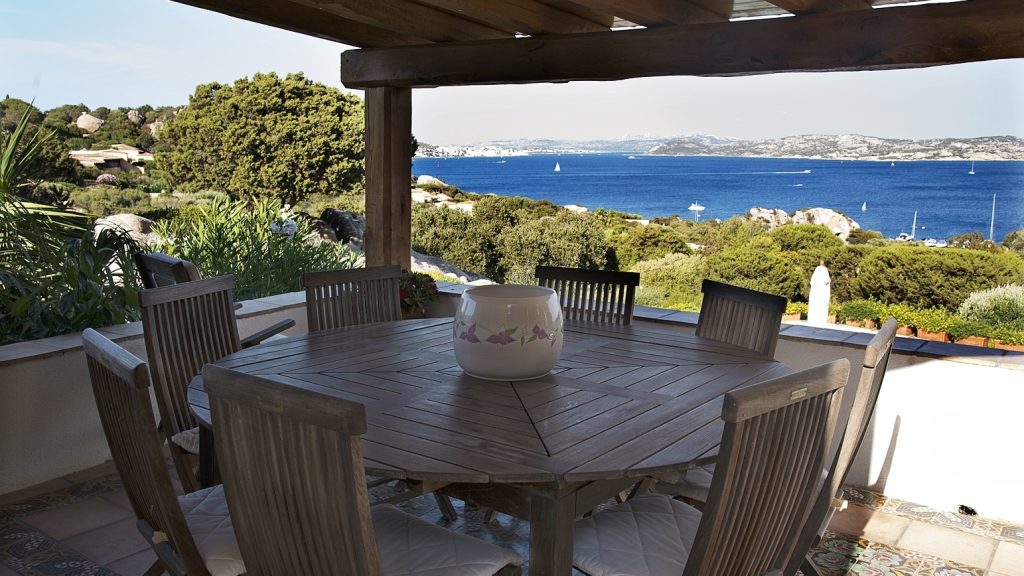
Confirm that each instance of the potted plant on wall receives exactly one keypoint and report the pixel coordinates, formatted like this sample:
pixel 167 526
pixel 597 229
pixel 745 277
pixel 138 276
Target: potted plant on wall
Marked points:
pixel 416 291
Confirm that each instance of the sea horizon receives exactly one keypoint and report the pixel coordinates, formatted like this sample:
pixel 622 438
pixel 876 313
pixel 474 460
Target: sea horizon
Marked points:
pixel 879 195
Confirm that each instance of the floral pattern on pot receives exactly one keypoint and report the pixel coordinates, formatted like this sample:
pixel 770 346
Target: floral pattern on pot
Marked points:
pixel 507 336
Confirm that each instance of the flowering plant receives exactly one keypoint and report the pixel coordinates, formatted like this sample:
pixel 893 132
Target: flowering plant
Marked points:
pixel 416 290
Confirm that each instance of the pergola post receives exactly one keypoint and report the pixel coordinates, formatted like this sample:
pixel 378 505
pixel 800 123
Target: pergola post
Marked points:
pixel 388 157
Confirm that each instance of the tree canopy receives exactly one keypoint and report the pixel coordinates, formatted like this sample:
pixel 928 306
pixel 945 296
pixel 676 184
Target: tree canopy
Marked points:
pixel 280 137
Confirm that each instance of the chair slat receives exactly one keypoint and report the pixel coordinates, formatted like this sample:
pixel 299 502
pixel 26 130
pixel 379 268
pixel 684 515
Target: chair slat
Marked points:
pixel 352 297
pixel 739 316
pixel 592 295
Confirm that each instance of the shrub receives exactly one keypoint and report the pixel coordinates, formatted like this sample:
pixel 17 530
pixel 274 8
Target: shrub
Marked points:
pixel 934 320
pixel 797 308
pixel 672 281
pixel 568 239
pixel 962 328
pixel 634 243
pixel 861 236
pixel 1014 242
pixel 927 278
pixel 1002 306
pixel 860 310
pixel 757 270
pixel 266 250
pixel 416 290
pixel 445 232
pixel 801 237
pixel 106 200
pixel 904 315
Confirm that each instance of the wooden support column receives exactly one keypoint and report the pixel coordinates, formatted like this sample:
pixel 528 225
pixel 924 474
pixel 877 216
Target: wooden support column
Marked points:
pixel 388 170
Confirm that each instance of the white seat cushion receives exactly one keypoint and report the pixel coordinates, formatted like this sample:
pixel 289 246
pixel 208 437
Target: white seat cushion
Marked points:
pixel 650 535
pixel 206 513
pixel 410 546
pixel 695 485
pixel 187 440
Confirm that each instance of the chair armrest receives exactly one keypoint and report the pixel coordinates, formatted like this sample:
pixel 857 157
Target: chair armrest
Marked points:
pixel 267 332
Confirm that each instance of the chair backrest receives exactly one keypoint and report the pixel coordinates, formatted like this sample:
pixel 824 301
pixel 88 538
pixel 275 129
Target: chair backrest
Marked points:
pixel 293 475
pixel 158 269
pixel 740 316
pixel 120 382
pixel 351 297
pixel 876 359
pixel 186 326
pixel 592 295
pixel 769 471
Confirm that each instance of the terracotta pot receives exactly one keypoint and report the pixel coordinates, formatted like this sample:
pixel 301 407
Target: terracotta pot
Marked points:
pixel 791 317
pixel 831 318
pixel 933 336
pixel 871 324
pixel 974 341
pixel 1007 346
pixel 854 323
pixel 905 330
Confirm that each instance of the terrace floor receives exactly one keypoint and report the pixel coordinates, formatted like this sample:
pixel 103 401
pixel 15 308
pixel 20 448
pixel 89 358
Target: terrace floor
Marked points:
pixel 82 524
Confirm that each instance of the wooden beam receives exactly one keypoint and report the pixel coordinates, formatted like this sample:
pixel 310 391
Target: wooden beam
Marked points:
pixel 890 38
pixel 388 159
pixel 305 20
pixel 410 19
pixel 815 6
pixel 656 12
pixel 523 16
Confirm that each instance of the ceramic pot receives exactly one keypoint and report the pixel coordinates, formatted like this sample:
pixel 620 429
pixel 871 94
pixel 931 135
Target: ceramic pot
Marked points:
pixel 508 331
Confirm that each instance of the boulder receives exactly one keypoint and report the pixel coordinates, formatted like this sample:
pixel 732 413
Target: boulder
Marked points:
pixel 427 180
pixel 88 123
pixel 139 228
pixel 773 217
pixel 838 223
pixel 136 117
pixel 424 263
pixel 348 226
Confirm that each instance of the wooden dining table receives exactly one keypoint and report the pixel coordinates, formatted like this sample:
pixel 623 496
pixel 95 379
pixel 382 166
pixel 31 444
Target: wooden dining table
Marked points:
pixel 622 404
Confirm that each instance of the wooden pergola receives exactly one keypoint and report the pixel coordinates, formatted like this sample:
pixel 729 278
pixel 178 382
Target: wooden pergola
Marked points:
pixel 406 44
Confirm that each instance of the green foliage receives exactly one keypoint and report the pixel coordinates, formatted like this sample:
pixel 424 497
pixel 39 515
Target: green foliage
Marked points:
pixel 50 161
pixel 797 308
pixel 757 270
pixel 672 281
pixel 1002 306
pixel 567 239
pixel 285 138
pixel 804 237
pixel 861 236
pixel 1014 242
pixel 315 204
pixel 447 233
pixel 716 236
pixel 934 319
pixel 634 243
pixel 926 278
pixel 416 290
pixel 861 310
pixel 103 200
pixel 263 248
pixel 844 265
pixel 904 315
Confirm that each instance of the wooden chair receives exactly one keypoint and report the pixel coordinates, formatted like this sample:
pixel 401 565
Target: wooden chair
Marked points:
pixel 739 316
pixel 293 473
pixel 158 270
pixel 191 534
pixel 186 326
pixel 351 297
pixel 869 385
pixel 776 441
pixel 592 295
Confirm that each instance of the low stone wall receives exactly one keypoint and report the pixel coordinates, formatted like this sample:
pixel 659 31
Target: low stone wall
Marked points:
pixel 943 434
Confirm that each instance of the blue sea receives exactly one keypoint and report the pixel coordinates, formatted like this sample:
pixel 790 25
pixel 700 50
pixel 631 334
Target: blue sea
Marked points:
pixel 948 200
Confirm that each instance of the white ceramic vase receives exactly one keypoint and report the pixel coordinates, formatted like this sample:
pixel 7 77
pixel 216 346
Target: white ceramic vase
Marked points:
pixel 508 331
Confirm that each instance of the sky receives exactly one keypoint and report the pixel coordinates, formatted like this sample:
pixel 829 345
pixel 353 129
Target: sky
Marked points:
pixel 114 53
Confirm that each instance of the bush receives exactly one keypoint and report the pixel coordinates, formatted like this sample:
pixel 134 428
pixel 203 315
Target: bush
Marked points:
pixel 266 250
pixel 860 236
pixel 107 200
pixel 926 278
pixel 568 239
pixel 634 243
pixel 672 281
pixel 1002 306
pixel 801 237
pixel 860 310
pixel 904 315
pixel 757 270
pixel 934 320
pixel 445 232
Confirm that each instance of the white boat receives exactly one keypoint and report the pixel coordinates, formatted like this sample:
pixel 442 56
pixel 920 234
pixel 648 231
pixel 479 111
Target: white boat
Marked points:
pixel 972 168
pixel 930 242
pixel 631 157
pixel 864 207
pixel 696 208
pixel 904 237
pixel 557 167
pixel 892 164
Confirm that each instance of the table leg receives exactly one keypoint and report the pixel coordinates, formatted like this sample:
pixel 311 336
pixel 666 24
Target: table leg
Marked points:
pixel 551 534
pixel 207 459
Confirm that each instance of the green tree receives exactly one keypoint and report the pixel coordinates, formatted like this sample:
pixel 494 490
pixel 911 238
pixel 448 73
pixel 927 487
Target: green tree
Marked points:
pixel 444 232
pixel 804 237
pixel 973 241
pixel 634 243
pixel 269 136
pixel 566 239
pixel 1014 242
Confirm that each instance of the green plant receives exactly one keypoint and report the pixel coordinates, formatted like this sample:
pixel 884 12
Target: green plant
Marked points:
pixel 860 310
pixel 934 320
pixel 797 308
pixel 961 328
pixel 266 250
pixel 672 281
pixel 999 306
pixel 416 290
pixel 904 315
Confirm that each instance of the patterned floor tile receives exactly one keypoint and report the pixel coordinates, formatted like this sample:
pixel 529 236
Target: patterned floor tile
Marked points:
pixel 841 555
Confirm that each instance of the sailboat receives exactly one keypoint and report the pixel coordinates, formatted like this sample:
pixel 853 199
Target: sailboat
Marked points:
pixel 864 207
pixel 557 167
pixel 696 208
pixel 892 164
pixel 904 237
pixel 992 223
pixel 972 168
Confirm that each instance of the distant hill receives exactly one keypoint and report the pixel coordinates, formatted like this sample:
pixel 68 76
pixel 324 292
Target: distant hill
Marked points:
pixel 850 146
pixel 846 146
